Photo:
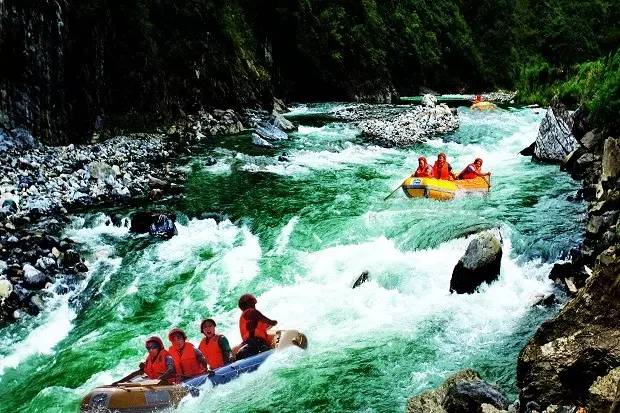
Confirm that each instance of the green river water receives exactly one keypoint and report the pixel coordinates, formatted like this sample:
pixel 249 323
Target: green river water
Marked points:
pixel 299 233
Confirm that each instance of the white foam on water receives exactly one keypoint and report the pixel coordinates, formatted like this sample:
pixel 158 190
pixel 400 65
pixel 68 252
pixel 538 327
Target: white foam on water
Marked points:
pixel 284 236
pixel 42 339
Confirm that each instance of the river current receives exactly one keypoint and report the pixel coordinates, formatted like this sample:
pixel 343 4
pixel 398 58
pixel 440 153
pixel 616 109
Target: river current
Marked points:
pixel 298 234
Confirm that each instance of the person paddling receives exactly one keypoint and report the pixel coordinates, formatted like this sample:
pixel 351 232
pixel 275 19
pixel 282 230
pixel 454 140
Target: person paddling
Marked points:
pixel 442 169
pixel 424 169
pixel 213 346
pixel 188 360
pixel 474 170
pixel 253 326
pixel 159 363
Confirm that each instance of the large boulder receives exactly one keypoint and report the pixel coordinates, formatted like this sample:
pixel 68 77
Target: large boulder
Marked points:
pixel 603 391
pixel 481 263
pixel 157 224
pixel 469 396
pixel 282 123
pixel 555 139
pixel 569 353
pixel 260 142
pixel 463 392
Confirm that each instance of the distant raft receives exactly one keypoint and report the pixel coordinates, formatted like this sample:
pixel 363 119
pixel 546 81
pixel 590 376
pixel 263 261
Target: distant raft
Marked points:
pixel 443 190
pixel 483 106
pixel 141 395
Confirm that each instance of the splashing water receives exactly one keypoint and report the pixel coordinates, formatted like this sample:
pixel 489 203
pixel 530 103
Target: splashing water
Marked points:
pixel 301 231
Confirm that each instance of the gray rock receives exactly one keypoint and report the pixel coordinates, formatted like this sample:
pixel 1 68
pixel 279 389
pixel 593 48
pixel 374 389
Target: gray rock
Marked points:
pixel 468 396
pixel 555 139
pixel 281 122
pixel 101 170
pixel 611 160
pixel 33 278
pixel 602 393
pixel 592 140
pixel 431 401
pixel 6 288
pixel 481 263
pixel 258 141
pixel 429 100
pixel 270 132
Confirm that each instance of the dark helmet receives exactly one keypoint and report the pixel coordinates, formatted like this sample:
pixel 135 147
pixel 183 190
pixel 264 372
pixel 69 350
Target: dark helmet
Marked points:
pixel 208 320
pixel 155 340
pixel 247 301
pixel 176 331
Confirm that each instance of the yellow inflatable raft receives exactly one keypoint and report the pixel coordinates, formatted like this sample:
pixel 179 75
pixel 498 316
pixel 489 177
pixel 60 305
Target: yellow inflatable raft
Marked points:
pixel 483 106
pixel 443 190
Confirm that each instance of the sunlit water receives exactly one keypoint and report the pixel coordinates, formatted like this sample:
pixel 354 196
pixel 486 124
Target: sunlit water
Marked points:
pixel 299 233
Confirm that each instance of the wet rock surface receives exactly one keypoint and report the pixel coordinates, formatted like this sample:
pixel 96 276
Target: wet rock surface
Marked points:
pixel 462 392
pixel 480 264
pixel 574 359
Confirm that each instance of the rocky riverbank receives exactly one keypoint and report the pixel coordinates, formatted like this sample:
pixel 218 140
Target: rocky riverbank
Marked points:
pixel 40 185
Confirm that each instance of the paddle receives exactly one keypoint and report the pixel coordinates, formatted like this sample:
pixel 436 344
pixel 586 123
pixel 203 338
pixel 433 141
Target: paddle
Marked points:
pixel 129 377
pixel 488 181
pixel 397 188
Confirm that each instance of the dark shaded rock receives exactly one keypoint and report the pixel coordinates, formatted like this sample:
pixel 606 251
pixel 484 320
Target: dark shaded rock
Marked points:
pixel 468 396
pixel 210 161
pixel 568 353
pixel 481 263
pixel 80 267
pixel 555 139
pixel 361 279
pixel 611 160
pixel 279 106
pixel 592 140
pixel 163 227
pixel 10 206
pixel 529 151
pixel 141 221
pixel 545 300
pixel 431 401
pixel 283 157
pixel 216 216
pixel 70 258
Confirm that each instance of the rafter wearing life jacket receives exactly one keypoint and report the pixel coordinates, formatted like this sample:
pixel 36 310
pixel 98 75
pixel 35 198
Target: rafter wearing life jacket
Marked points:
pixel 159 363
pixel 473 170
pixel 214 347
pixel 424 169
pixel 188 360
pixel 252 322
pixel 441 168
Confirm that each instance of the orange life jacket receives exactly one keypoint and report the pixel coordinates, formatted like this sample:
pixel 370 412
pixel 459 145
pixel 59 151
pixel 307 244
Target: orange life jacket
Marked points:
pixel 185 361
pixel 441 173
pixel 423 172
pixel 212 351
pixel 155 367
pixel 468 174
pixel 260 331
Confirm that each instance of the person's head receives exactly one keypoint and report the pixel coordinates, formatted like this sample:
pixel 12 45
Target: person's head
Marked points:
pixel 478 163
pixel 422 162
pixel 207 327
pixel 247 301
pixel 154 345
pixel 177 337
pixel 441 158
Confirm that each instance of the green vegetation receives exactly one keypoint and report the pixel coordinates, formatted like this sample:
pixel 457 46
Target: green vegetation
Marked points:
pixel 594 84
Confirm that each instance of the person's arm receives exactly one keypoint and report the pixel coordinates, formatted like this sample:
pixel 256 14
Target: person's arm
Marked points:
pixel 260 317
pixel 225 347
pixel 170 371
pixel 201 358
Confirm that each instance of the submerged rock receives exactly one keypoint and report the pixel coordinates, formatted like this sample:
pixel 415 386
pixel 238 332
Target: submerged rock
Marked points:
pixel 468 396
pixel 260 142
pixel 155 223
pixel 481 263
pixel 270 132
pixel 463 392
pixel 555 139
pixel 361 279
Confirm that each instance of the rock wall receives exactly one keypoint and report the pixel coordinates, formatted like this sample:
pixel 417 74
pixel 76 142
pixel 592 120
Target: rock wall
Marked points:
pixel 573 359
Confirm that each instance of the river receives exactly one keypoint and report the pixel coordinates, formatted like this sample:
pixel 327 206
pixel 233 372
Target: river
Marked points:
pixel 298 234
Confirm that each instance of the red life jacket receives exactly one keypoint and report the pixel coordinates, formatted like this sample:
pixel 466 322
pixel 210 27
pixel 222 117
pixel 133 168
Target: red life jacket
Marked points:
pixel 260 331
pixel 468 174
pixel 441 173
pixel 155 367
pixel 185 361
pixel 212 351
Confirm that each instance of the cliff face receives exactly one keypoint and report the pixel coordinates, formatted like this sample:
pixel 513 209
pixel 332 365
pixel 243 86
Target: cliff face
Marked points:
pixel 571 357
pixel 70 68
